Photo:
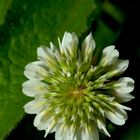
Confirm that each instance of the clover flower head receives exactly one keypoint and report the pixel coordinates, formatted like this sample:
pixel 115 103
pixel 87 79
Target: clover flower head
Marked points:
pixel 74 94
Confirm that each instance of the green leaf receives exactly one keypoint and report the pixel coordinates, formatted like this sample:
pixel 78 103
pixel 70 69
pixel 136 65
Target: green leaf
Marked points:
pixel 133 132
pixel 4 6
pixel 113 11
pixel 24 26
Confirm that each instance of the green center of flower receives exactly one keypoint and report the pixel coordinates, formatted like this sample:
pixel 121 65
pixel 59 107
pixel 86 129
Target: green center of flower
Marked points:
pixel 76 94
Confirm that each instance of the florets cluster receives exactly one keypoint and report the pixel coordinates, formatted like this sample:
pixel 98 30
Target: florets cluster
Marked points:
pixel 73 95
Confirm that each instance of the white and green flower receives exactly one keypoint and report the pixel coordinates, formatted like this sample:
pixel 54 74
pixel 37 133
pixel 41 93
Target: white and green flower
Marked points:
pixel 74 93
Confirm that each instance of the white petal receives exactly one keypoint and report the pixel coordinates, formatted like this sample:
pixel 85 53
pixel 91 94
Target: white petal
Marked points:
pixel 122 106
pixel 122 65
pixel 34 106
pixel 115 118
pixel 118 68
pixel 84 133
pixel 51 128
pixel 35 71
pixel 69 44
pixel 42 52
pixel 32 88
pixel 43 120
pixel 125 97
pixel 101 125
pixel 88 47
pixel 59 134
pixel 109 56
pixel 47 56
pixel 63 133
pixel 53 48
pixel 126 85
pixel 89 134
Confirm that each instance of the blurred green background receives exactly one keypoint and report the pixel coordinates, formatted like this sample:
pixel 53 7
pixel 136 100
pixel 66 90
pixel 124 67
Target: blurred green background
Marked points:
pixel 25 24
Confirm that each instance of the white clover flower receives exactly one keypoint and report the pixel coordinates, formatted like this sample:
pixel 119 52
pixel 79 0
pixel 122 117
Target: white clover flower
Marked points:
pixel 73 96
